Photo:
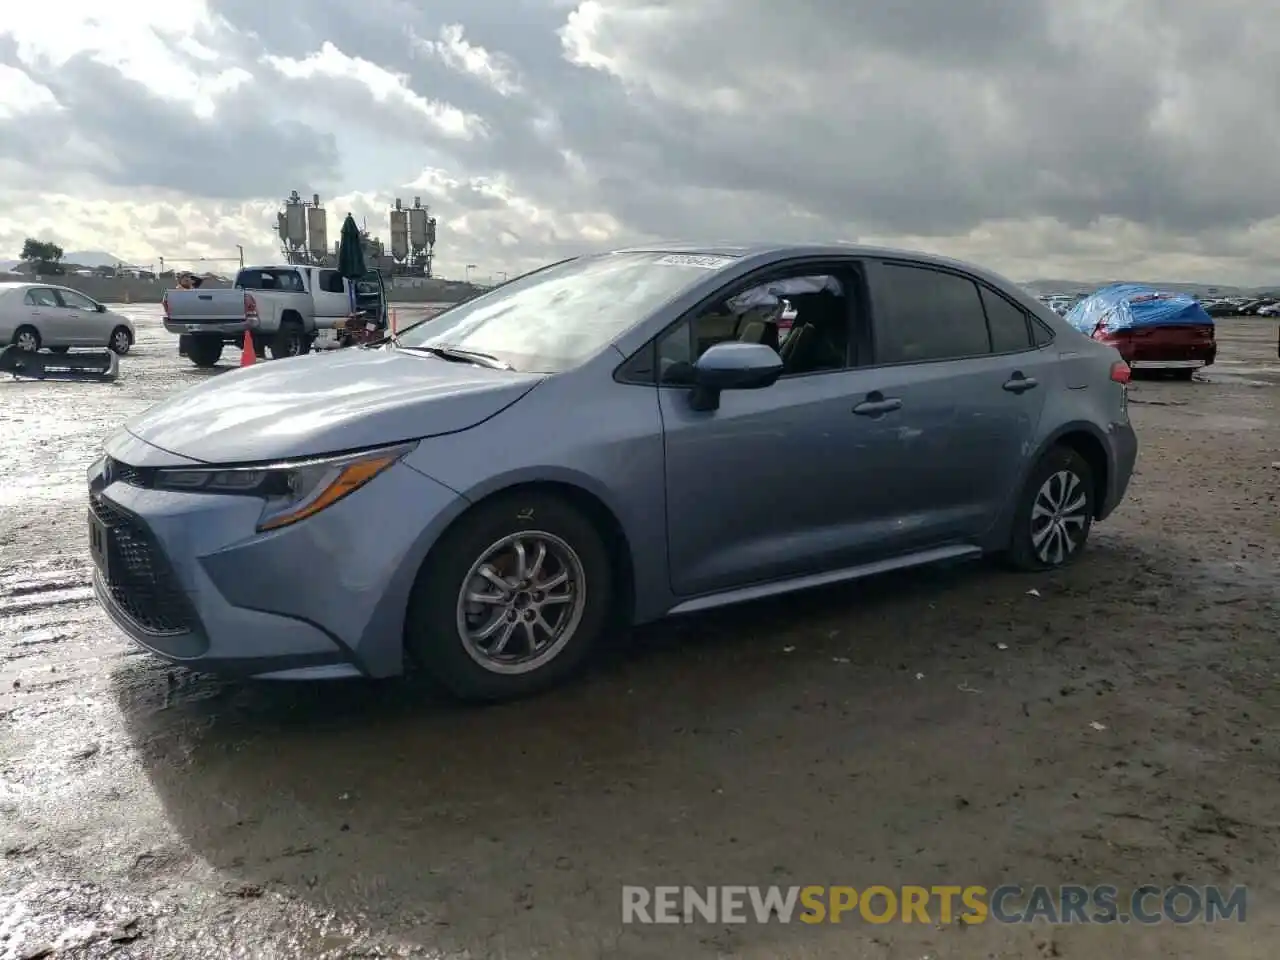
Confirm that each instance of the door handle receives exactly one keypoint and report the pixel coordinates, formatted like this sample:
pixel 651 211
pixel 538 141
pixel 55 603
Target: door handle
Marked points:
pixel 875 405
pixel 1020 384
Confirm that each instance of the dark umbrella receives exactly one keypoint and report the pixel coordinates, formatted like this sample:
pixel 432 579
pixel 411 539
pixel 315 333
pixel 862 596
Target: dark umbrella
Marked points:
pixel 351 256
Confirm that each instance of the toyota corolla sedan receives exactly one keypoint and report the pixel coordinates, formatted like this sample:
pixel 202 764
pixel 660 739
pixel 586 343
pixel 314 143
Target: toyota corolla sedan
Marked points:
pixel 39 315
pixel 606 441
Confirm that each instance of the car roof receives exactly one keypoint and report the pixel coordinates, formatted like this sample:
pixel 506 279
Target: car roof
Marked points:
pixel 787 250
pixel 765 252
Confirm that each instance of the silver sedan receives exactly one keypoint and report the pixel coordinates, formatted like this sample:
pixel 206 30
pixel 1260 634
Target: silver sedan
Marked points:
pixel 39 315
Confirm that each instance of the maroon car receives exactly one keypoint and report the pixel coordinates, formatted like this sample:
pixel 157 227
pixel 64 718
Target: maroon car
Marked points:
pixel 1154 330
pixel 1181 350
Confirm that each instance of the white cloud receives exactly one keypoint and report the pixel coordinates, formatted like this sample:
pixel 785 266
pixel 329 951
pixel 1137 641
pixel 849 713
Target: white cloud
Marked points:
pixel 20 94
pixel 1091 140
pixel 386 87
pixel 454 50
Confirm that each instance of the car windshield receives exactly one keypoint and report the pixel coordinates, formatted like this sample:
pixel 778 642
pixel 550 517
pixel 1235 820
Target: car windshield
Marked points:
pixel 553 319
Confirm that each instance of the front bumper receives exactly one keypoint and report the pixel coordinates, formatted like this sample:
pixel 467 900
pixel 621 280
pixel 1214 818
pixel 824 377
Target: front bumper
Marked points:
pixel 188 579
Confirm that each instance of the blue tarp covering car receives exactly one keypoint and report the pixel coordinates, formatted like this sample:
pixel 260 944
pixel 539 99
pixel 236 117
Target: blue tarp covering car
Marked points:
pixel 1131 306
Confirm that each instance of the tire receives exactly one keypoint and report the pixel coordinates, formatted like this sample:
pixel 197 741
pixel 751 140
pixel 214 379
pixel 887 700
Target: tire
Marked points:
pixel 27 339
pixel 1027 549
pixel 121 341
pixel 204 352
pixel 434 637
pixel 289 341
pixel 59 349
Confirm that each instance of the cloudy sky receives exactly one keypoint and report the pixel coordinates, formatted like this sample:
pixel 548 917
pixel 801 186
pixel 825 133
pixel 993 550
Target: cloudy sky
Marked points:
pixel 1045 138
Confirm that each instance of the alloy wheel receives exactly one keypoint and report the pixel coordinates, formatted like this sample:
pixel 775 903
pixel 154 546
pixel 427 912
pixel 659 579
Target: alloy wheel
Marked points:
pixel 120 342
pixel 521 602
pixel 1059 516
pixel 26 340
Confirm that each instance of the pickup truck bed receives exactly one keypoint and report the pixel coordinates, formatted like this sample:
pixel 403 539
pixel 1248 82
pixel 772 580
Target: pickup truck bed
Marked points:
pixel 284 307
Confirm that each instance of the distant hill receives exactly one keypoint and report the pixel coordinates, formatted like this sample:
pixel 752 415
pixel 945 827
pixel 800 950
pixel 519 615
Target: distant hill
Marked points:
pixel 80 258
pixel 91 258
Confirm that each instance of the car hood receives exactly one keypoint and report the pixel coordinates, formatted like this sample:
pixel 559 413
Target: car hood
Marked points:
pixel 327 403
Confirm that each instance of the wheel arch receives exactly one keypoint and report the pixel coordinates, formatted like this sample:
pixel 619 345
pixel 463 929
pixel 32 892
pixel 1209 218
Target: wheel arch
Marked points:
pixel 1085 439
pixel 577 493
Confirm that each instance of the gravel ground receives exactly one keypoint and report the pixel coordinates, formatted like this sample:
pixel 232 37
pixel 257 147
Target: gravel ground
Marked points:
pixel 1114 723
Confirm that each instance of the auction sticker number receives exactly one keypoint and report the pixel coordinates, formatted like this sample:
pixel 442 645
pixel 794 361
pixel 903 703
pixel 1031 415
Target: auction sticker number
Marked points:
pixel 695 260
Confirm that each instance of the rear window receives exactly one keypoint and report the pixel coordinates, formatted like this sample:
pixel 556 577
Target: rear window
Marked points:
pixel 288 281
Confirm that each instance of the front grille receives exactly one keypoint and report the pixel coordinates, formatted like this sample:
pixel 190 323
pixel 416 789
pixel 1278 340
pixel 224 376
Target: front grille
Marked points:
pixel 139 577
pixel 122 472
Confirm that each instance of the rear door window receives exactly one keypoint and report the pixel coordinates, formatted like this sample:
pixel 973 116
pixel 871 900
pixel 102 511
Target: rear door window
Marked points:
pixel 331 281
pixel 923 314
pixel 287 281
pixel 41 297
pixel 1007 323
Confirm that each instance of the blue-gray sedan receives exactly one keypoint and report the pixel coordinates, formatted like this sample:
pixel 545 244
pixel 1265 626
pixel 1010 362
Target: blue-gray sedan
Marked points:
pixel 605 441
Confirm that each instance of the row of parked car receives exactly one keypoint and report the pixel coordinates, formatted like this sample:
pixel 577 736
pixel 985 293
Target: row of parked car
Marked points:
pixel 1243 307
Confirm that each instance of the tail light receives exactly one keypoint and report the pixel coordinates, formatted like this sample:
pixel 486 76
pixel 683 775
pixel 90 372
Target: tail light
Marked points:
pixel 250 308
pixel 1120 372
pixel 164 302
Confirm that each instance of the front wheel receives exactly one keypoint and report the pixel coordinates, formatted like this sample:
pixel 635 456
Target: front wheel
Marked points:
pixel 511 600
pixel 1055 512
pixel 120 342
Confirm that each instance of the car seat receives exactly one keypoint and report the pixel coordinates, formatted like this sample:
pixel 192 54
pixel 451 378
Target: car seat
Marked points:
pixel 820 338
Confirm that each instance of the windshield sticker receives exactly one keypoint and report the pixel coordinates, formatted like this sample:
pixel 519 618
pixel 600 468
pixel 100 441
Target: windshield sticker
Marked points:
pixel 693 260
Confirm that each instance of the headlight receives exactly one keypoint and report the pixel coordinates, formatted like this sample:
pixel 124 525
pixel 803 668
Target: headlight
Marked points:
pixel 292 490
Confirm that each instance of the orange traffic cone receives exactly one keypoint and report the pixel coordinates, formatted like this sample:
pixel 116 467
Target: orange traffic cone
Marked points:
pixel 247 356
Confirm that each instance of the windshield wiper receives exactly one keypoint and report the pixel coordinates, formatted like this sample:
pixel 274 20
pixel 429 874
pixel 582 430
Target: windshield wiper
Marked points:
pixel 458 355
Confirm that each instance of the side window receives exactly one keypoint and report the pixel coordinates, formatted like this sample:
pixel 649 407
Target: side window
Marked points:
pixel 76 301
pixel 925 314
pixel 805 318
pixel 330 281
pixel 1041 333
pixel 40 297
pixel 1007 323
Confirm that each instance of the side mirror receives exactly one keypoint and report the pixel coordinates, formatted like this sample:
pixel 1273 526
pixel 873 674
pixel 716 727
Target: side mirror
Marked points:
pixel 102 308
pixel 733 366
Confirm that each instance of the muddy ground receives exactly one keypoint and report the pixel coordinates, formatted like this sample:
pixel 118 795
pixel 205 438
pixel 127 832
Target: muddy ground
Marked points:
pixel 1118 725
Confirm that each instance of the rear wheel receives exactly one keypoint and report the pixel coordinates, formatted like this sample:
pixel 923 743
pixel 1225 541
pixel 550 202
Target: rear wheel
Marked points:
pixel 511 600
pixel 1055 512
pixel 27 339
pixel 204 351
pixel 289 341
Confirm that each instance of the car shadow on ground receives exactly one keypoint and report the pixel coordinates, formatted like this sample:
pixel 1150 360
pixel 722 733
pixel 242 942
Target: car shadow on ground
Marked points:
pixel 928 727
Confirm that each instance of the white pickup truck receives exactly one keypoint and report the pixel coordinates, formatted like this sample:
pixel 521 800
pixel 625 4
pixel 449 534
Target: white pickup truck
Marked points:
pixel 287 308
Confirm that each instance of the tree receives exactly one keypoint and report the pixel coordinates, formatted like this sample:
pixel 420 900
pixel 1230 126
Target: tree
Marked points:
pixel 44 254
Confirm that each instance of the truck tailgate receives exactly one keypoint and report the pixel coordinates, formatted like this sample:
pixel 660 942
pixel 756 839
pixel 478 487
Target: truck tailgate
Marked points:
pixel 210 306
